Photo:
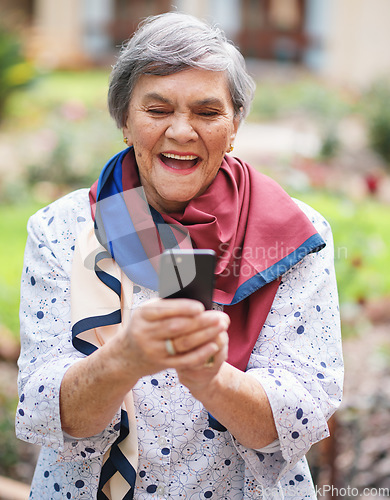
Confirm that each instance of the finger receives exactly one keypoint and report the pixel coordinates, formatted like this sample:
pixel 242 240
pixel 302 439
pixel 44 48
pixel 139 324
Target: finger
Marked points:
pixel 193 340
pixel 215 333
pixel 214 362
pixel 183 326
pixel 222 340
pixel 158 309
pixel 221 355
pixel 196 357
pixel 153 342
pixel 177 326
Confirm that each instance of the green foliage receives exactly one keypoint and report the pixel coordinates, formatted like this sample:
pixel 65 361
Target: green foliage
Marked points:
pixel 279 100
pixel 376 106
pixel 324 105
pixel 330 145
pixel 68 136
pixel 361 234
pixel 73 150
pixel 68 133
pixel 362 249
pixel 53 90
pixel 15 71
pixel 8 443
pixel 13 220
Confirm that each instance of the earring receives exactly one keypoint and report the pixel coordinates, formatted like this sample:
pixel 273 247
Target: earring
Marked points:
pixel 125 140
pixel 231 148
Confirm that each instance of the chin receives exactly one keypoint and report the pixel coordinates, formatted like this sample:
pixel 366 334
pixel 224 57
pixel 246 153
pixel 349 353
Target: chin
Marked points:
pixel 179 196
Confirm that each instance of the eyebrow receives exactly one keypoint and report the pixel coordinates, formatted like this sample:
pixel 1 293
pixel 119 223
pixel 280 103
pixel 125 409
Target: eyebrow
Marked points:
pixel 208 101
pixel 157 97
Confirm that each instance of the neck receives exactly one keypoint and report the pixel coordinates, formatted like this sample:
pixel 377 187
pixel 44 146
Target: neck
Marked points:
pixel 167 207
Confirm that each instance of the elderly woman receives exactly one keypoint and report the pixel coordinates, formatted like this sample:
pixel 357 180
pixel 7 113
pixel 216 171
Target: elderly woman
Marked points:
pixel 134 396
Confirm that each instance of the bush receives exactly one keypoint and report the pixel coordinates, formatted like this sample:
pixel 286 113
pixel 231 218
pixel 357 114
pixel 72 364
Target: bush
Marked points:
pixel 322 105
pixel 8 450
pixel 377 111
pixel 15 71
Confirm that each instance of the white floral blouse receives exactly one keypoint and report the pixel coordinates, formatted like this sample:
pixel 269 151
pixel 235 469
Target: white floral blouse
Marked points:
pixel 297 359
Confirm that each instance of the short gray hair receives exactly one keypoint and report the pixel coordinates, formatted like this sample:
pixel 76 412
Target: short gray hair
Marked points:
pixel 172 42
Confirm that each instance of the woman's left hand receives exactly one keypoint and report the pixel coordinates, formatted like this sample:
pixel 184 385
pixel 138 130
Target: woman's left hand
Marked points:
pixel 199 378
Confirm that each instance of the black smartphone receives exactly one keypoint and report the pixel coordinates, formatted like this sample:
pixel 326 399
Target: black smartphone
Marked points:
pixel 187 274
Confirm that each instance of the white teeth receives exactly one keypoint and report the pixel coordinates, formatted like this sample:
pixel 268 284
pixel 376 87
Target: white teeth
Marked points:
pixel 178 157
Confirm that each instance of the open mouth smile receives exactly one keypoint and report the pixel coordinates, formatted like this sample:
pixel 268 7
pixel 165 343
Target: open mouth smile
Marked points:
pixel 179 162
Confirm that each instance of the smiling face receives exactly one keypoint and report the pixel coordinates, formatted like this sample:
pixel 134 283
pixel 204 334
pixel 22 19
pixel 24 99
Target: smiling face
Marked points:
pixel 181 126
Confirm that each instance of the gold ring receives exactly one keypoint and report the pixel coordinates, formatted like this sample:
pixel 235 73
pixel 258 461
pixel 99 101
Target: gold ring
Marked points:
pixel 170 348
pixel 210 362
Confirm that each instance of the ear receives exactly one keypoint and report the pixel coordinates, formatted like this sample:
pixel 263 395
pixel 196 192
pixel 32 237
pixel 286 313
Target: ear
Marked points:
pixel 236 123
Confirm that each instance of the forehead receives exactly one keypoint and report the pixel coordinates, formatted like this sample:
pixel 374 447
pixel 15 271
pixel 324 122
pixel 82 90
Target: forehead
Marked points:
pixel 190 84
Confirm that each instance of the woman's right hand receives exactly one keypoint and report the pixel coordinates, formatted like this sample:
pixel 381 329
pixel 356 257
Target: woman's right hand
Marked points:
pixel 196 336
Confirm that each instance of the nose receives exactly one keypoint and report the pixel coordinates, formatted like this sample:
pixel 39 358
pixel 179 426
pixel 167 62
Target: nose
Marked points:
pixel 181 130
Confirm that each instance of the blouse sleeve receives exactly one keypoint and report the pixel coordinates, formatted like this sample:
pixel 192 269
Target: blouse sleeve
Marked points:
pixel 46 341
pixel 298 360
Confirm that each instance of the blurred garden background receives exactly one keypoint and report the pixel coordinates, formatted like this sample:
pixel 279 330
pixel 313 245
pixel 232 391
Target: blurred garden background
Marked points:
pixel 319 125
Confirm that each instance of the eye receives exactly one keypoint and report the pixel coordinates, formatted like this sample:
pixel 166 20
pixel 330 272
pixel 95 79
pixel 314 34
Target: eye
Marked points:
pixel 208 113
pixel 158 111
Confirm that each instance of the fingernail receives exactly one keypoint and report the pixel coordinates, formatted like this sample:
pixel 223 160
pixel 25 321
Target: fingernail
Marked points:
pixel 199 307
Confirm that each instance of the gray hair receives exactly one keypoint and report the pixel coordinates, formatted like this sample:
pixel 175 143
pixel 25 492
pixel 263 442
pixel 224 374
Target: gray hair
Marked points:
pixel 172 42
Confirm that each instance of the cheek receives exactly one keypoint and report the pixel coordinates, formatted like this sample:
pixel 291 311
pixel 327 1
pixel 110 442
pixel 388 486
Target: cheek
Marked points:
pixel 145 132
pixel 218 137
pixel 220 140
pixel 144 143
